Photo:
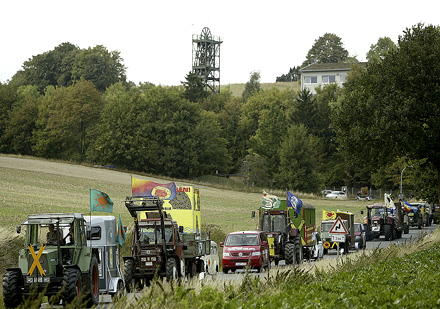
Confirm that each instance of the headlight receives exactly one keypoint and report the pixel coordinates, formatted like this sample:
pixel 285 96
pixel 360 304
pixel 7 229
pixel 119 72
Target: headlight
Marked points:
pixel 46 279
pixel 226 254
pixel 143 259
pixel 256 253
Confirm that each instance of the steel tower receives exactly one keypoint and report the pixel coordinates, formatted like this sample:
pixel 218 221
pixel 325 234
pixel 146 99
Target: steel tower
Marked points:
pixel 206 59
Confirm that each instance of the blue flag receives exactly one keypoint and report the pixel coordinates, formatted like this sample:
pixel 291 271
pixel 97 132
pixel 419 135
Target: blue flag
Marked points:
pixel 121 232
pixel 99 201
pixel 294 202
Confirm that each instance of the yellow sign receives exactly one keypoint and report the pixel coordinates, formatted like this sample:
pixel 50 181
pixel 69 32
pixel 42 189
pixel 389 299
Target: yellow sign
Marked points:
pixel 328 215
pixel 36 261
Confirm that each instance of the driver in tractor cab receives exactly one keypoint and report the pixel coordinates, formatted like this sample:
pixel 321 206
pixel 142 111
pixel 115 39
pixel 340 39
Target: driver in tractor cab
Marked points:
pixel 51 236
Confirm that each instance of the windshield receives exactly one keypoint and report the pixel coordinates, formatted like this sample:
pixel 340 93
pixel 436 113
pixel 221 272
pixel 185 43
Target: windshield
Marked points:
pixel 273 223
pixel 148 235
pixel 378 211
pixel 326 226
pixel 242 240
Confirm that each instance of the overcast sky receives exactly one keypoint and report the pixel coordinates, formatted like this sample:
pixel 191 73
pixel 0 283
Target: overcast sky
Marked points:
pixel 155 37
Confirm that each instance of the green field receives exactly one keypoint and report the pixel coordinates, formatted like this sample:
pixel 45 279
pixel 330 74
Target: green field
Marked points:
pixel 29 185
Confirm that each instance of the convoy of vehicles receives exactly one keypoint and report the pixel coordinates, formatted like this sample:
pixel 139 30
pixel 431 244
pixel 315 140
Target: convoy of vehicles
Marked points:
pixel 245 249
pixel 79 255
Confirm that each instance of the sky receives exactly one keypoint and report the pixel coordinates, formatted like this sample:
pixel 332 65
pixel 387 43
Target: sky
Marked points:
pixel 154 38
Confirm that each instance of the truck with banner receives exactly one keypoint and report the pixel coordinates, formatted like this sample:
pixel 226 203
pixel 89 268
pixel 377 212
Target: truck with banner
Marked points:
pixel 289 225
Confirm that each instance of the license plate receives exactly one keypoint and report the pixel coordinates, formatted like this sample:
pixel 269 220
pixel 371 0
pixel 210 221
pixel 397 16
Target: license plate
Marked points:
pixel 148 263
pixel 240 264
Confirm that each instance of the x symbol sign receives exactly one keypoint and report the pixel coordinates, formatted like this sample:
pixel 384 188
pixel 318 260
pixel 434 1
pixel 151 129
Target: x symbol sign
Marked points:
pixel 36 260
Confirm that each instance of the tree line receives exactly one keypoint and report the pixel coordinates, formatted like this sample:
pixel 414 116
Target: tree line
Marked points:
pixel 59 107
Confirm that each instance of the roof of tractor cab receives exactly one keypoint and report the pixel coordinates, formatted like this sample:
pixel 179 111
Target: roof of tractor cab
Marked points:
pixel 62 218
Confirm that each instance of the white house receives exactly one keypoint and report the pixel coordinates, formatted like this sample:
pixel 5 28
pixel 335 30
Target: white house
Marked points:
pixel 321 74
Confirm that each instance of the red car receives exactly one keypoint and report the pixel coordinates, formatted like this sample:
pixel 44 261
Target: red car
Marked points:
pixel 243 249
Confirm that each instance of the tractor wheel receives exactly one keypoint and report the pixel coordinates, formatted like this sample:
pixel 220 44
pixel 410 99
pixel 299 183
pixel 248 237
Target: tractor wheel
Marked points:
pixel 93 293
pixel 394 233
pixel 171 270
pixel 290 253
pixel 299 251
pixel 72 285
pixel 388 232
pixel 128 275
pixel 11 292
pixel 419 224
pixel 191 269
pixel 200 266
pixel 405 228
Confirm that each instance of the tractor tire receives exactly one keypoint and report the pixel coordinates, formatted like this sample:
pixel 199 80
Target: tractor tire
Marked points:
pixel 93 292
pixel 388 232
pixel 11 289
pixel 72 285
pixel 128 275
pixel 299 251
pixel 171 270
pixel 419 224
pixel 191 269
pixel 290 253
pixel 405 228
pixel 394 234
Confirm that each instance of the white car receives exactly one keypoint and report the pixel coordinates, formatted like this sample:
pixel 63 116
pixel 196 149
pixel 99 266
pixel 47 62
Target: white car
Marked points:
pixel 337 195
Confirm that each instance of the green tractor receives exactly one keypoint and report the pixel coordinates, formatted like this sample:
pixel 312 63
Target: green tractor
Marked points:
pixel 55 260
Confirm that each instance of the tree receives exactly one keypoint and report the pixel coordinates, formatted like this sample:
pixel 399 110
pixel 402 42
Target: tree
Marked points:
pixel 98 65
pixel 252 86
pixel 8 96
pixel 67 118
pixel 298 161
pixel 326 49
pixel 21 124
pixel 52 68
pixel 391 109
pixel 195 89
pixel 292 76
pixel 378 51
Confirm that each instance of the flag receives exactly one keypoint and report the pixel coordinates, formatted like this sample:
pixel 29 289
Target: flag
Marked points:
pixel 149 188
pixel 294 202
pixel 99 201
pixel 270 201
pixel 407 206
pixel 121 232
pixel 328 215
pixel 389 201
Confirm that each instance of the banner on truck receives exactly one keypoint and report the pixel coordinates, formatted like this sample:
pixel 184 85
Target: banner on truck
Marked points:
pixel 184 208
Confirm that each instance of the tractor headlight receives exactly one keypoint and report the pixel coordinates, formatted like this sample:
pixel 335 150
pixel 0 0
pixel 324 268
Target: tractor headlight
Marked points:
pixel 144 259
pixel 29 280
pixel 46 279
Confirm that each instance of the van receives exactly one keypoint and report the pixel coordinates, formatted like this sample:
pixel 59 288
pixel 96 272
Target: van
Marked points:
pixel 245 249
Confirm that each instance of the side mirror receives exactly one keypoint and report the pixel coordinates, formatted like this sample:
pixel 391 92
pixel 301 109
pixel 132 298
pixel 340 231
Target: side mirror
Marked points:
pixel 253 214
pixel 181 229
pixel 221 244
pixel 18 229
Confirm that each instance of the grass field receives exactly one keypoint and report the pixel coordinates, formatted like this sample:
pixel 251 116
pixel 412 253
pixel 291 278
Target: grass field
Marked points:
pixel 29 185
pixel 237 89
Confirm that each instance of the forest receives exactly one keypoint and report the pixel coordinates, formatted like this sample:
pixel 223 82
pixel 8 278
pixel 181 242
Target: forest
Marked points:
pixel 76 104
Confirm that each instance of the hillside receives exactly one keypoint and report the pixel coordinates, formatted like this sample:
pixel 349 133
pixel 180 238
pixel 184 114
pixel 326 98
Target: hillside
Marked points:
pixel 237 89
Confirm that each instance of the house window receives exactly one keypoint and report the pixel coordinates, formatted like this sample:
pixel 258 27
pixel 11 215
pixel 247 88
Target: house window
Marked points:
pixel 328 79
pixel 343 78
pixel 310 79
